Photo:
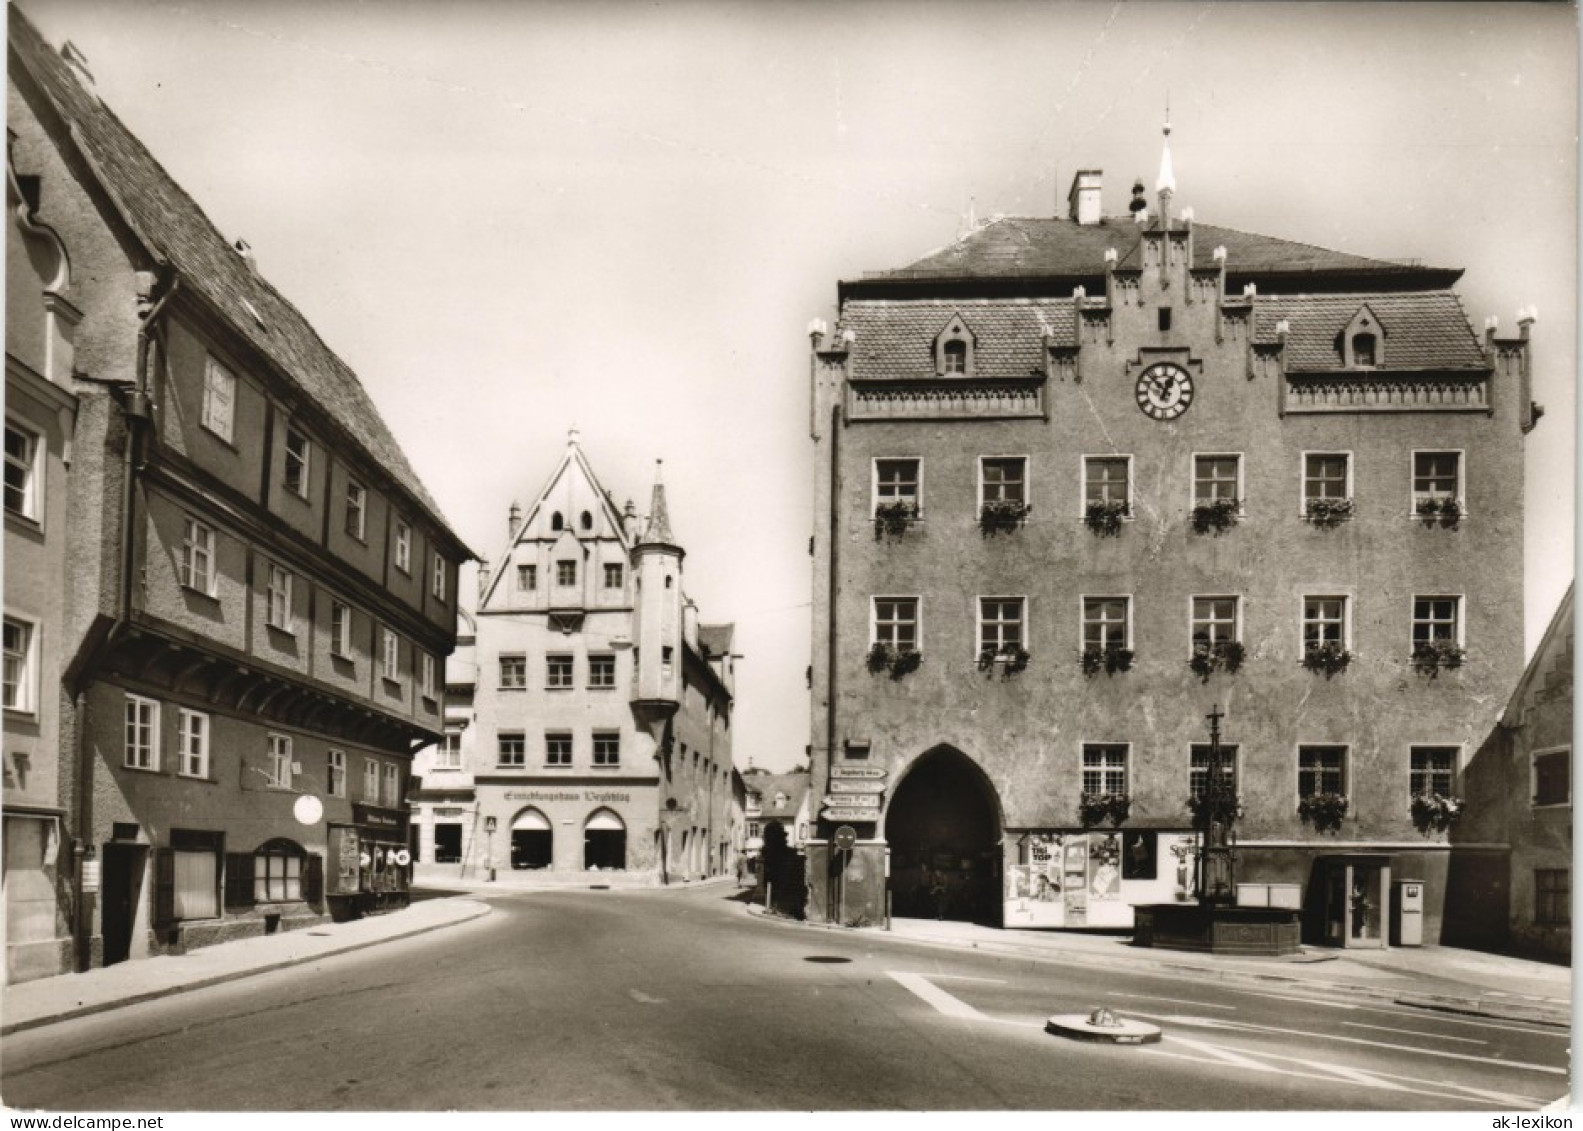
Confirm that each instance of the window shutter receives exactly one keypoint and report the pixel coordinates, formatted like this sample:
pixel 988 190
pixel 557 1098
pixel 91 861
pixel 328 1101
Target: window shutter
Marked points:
pixel 239 880
pixel 313 879
pixel 164 886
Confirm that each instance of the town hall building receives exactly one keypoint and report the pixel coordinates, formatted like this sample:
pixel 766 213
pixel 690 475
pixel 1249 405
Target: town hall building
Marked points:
pixel 1083 480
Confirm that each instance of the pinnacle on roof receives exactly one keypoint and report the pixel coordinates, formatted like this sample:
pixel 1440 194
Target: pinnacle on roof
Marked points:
pixel 659 530
pixel 1167 178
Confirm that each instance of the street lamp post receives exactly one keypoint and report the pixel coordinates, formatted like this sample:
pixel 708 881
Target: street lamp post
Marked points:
pixel 1215 817
pixel 489 837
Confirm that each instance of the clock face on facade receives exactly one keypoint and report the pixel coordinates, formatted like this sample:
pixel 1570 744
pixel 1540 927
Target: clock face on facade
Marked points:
pixel 1165 391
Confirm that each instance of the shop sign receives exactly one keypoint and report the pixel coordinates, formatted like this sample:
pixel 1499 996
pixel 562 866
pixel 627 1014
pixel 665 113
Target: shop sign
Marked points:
pixel 839 786
pixel 872 773
pixel 372 818
pixel 598 795
pixel 448 811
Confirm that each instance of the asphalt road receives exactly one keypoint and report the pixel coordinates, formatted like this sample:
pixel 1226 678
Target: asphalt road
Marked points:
pixel 651 1001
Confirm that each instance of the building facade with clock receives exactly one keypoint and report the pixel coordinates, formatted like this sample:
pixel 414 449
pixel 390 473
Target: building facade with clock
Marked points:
pixel 1081 480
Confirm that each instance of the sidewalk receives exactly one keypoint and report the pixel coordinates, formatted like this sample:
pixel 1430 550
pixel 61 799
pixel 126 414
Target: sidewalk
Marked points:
pixel 1431 977
pixel 47 1000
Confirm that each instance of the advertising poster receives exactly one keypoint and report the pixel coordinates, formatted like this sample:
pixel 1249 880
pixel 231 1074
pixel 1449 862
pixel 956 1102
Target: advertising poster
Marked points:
pixel 1034 885
pixel 1139 860
pixel 1104 867
pixel 343 861
pixel 1075 877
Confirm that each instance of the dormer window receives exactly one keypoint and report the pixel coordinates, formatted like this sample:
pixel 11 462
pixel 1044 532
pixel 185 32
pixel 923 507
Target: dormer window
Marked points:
pixel 953 350
pixel 557 521
pixel 1363 341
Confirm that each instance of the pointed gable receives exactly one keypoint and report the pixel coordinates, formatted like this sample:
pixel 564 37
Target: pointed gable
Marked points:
pixel 570 514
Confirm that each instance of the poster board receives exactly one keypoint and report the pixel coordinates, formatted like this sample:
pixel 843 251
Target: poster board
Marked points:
pixel 341 875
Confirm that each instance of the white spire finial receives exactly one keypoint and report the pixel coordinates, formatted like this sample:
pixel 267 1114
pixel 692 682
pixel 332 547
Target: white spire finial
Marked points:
pixel 1167 181
pixel 572 436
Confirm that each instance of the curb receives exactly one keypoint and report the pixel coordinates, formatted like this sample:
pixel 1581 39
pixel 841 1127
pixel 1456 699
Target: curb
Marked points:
pixel 1533 1013
pixel 228 976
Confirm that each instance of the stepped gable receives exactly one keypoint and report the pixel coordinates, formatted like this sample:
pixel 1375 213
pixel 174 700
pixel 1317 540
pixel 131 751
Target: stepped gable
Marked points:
pixel 173 228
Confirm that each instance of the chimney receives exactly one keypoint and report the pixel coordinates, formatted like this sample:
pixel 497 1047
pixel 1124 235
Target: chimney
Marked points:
pixel 1083 201
pixel 513 520
pixel 245 250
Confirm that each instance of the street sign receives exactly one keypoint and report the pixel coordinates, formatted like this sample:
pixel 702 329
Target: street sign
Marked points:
pixel 850 801
pixel 839 786
pixel 850 814
pixel 844 771
pixel 845 838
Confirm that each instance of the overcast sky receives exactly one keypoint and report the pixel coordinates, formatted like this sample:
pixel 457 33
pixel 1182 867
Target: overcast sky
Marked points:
pixel 516 218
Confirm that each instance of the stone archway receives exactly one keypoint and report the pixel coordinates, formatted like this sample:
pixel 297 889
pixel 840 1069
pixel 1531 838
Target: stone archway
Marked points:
pixel 944 831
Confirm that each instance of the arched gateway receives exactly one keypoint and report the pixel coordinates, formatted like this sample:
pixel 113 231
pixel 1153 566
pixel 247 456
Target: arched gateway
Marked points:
pixel 944 831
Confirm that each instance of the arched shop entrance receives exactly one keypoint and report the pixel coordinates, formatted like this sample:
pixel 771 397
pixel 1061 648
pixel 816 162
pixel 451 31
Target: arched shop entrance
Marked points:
pixel 604 842
pixel 532 840
pixel 943 828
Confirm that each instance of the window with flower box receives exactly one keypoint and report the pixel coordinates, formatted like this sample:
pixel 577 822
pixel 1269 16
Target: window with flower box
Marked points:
pixel 1105 767
pixel 1431 770
pixel 1321 769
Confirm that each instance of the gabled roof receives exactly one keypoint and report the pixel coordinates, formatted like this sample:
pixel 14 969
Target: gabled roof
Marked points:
pixel 1054 248
pixel 173 228
pixel 794 786
pixel 572 462
pixel 1553 646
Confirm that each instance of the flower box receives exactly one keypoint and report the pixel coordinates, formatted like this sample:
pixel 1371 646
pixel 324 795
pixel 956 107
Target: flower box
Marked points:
pixel 1111 659
pixel 1434 813
pixel 1329 658
pixel 899 663
pixel 1429 656
pixel 1215 517
pixel 1326 513
pixel 891 520
pixel 1011 661
pixel 1324 811
pixel 1001 516
pixel 1092 808
pixel 1446 510
pixel 1105 519
pixel 1209 658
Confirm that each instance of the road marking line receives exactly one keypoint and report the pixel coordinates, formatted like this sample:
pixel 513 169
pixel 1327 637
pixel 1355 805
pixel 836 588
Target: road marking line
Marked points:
pixel 965 978
pixel 1416 1033
pixel 1507 1098
pixel 1220 1053
pixel 1235 1026
pixel 935 996
pixel 1437 1016
pixel 1177 1000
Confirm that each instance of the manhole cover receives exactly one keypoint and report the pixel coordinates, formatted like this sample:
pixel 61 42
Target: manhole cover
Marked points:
pixel 320 934
pixel 598 887
pixel 826 958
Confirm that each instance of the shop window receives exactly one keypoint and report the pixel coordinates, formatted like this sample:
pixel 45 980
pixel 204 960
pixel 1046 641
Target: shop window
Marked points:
pixel 447 844
pixel 532 841
pixel 277 872
pixel 604 842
